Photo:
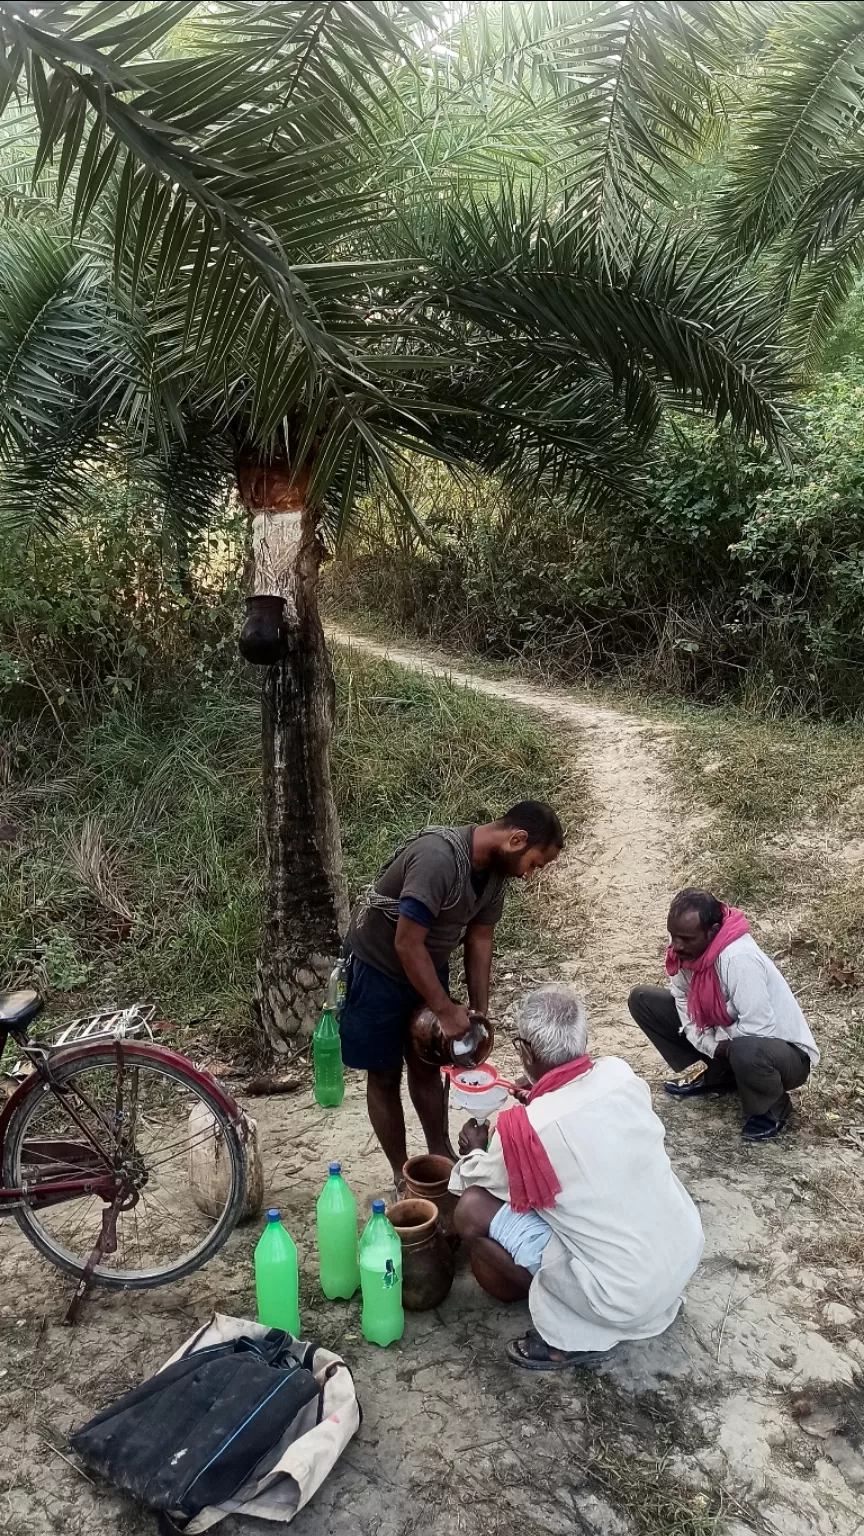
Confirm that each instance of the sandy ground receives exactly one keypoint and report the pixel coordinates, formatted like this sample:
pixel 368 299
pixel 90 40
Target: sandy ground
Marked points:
pixel 748 1415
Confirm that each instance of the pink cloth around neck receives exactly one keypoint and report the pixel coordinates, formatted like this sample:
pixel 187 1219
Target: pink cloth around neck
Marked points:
pixel 706 1004
pixel 534 1184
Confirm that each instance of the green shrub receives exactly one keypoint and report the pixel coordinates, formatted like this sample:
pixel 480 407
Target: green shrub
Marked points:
pixel 739 574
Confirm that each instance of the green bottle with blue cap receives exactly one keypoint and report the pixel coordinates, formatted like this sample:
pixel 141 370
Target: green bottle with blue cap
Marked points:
pixel 381 1279
pixel 336 1219
pixel 277 1284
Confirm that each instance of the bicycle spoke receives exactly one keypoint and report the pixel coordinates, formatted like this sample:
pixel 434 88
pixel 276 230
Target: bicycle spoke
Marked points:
pixel 137 1233
pixel 147 1200
pixel 118 1091
pixel 181 1150
pixel 80 1223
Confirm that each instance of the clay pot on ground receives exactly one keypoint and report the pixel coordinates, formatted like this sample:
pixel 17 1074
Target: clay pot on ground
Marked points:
pixel 427 1262
pixel 427 1178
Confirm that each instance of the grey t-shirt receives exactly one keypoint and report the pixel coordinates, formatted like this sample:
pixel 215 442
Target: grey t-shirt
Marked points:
pixel 426 872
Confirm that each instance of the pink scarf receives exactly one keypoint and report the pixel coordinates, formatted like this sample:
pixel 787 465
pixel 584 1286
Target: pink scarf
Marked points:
pixel 706 1004
pixel 533 1181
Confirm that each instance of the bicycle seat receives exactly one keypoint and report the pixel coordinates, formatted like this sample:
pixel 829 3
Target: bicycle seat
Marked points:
pixel 18 1008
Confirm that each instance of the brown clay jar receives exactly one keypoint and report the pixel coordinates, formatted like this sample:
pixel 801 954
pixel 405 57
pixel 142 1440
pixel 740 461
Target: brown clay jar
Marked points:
pixel 428 1178
pixel 432 1046
pixel 427 1263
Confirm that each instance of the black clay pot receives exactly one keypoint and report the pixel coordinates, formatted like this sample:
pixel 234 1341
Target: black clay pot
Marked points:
pixel 264 636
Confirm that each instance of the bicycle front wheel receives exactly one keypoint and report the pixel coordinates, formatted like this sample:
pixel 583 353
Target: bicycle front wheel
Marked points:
pixel 138 1118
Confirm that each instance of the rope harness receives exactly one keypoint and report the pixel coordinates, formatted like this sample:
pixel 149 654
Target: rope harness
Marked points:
pixel 371 900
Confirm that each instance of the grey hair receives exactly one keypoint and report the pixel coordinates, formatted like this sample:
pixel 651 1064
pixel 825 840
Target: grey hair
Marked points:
pixel 554 1023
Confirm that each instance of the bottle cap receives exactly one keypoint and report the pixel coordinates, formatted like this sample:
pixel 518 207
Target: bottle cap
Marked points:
pixel 335 1167
pixel 274 1215
pixel 378 1207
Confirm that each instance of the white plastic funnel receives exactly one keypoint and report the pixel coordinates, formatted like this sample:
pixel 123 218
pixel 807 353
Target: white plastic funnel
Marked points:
pixel 477 1090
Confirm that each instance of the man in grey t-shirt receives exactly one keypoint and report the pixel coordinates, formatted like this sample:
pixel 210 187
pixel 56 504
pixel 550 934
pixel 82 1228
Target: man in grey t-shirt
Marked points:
pixel 443 888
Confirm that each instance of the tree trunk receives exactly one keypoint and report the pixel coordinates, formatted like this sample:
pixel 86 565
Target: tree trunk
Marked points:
pixel 306 910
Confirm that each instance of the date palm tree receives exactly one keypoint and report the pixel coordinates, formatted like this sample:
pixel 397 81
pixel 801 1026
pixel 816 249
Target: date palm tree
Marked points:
pixel 299 243
pixel 793 194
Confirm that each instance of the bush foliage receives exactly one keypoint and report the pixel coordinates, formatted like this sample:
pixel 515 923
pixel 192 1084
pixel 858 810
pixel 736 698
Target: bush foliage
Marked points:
pixel 740 573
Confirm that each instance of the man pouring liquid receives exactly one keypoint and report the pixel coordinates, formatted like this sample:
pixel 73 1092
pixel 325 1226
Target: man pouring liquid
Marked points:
pixel 443 888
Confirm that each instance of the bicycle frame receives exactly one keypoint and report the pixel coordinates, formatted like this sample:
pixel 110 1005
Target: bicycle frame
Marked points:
pixel 39 1194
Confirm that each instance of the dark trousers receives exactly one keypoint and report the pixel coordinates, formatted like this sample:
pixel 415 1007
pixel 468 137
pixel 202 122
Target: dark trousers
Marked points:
pixel 763 1068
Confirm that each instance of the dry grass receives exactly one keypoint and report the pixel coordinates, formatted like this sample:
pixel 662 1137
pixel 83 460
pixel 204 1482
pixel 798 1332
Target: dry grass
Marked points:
pixel 96 867
pixel 787 832
pixel 838 1201
pixel 655 1503
pixel 635 1451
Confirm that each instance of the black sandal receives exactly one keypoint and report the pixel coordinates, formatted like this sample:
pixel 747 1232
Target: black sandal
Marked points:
pixel 535 1355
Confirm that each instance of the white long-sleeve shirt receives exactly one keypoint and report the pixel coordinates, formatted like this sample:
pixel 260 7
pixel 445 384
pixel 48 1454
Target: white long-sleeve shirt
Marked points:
pixel 626 1237
pixel 759 1001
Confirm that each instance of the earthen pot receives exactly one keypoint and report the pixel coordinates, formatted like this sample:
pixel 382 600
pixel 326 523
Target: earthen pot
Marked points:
pixel 433 1047
pixel 427 1262
pixel 263 640
pixel 428 1178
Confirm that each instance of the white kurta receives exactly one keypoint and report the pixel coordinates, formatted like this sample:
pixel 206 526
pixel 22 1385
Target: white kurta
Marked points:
pixel 759 1001
pixel 626 1237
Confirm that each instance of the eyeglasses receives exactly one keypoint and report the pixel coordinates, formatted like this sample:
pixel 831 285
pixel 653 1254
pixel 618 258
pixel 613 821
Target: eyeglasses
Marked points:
pixel 520 1044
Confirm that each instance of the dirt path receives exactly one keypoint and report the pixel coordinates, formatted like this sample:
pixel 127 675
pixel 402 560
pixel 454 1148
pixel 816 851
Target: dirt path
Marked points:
pixel 771 1329
pixel 746 1417
pixel 621 873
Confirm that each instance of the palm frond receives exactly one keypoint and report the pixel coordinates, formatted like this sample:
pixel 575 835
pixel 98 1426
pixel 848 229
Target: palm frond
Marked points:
pixel 191 482
pixel 105 115
pixel 298 257
pixel 820 286
pixel 58 477
pixel 52 329
pixel 671 312
pixel 810 98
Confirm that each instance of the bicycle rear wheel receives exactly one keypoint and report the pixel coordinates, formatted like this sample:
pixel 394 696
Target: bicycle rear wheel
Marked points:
pixel 136 1110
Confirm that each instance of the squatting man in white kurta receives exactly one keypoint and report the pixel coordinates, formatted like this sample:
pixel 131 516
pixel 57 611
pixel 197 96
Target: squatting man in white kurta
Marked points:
pixel 729 1021
pixel 573 1202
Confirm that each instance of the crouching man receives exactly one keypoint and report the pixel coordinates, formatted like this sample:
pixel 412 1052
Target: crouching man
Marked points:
pixel 574 1203
pixel 729 1009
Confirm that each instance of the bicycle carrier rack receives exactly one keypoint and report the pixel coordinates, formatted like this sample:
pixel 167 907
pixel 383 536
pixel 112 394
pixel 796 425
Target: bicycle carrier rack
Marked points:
pixel 132 1023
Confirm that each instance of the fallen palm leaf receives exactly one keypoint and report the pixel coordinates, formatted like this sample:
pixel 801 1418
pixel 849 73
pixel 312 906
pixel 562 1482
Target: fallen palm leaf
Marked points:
pixel 95 866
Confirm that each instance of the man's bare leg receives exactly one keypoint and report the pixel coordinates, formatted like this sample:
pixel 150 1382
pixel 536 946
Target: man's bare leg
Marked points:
pixel 500 1276
pixel 384 1103
pixel 427 1096
pixel 494 1268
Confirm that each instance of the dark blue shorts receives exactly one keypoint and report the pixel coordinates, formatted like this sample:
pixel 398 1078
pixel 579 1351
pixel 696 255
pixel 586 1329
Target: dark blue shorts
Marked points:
pixel 375 1017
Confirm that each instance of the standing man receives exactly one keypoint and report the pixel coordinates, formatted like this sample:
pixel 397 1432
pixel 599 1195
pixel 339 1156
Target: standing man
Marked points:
pixel 443 887
pixel 729 1007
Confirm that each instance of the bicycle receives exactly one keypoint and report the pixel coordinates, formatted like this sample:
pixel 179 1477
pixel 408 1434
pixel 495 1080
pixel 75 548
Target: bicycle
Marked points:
pixel 95 1143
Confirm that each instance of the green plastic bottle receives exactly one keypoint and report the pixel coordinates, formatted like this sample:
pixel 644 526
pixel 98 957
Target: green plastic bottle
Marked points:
pixel 276 1279
pixel 327 1061
pixel 381 1279
pixel 336 1215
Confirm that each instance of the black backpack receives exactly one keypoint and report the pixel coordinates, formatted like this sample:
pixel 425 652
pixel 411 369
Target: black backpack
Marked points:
pixel 194 1434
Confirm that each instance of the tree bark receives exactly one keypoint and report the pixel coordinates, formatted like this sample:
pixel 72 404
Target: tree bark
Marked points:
pixel 306 909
